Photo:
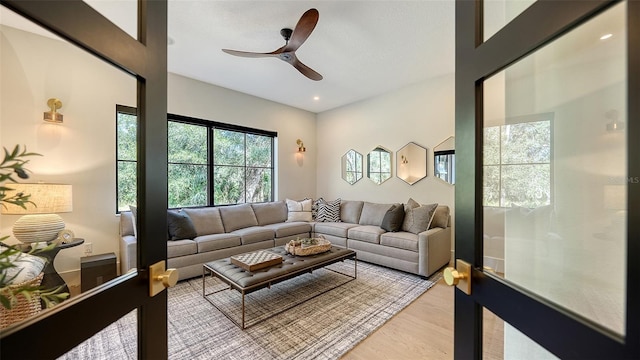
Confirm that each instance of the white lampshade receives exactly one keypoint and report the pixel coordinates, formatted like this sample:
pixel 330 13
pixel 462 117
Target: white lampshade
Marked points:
pixel 40 223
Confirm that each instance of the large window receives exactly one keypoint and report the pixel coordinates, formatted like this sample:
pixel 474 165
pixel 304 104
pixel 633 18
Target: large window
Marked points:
pixel 209 163
pixel 517 164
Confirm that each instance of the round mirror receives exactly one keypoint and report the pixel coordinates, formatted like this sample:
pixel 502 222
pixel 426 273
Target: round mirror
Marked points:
pixel 352 166
pixel 379 165
pixel 444 161
pixel 411 163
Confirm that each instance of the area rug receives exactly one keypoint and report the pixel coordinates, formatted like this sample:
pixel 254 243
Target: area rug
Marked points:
pixel 324 327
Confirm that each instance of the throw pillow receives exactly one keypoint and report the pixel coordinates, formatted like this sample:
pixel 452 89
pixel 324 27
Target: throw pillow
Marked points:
pixel 314 208
pixel 329 211
pixel 134 215
pixel 411 204
pixel 418 219
pixel 299 210
pixel 180 226
pixel 393 218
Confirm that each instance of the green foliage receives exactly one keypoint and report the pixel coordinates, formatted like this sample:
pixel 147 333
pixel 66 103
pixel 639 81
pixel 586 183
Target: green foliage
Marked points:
pixel 13 164
pixel 241 165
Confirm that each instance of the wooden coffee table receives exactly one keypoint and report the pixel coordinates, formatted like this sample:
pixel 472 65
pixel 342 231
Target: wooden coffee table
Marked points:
pixel 246 282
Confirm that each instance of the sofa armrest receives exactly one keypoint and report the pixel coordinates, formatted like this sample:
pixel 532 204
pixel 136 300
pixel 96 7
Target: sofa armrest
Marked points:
pixel 434 250
pixel 128 253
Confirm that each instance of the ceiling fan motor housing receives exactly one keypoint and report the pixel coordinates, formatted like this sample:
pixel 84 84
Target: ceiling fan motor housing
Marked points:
pixel 286 33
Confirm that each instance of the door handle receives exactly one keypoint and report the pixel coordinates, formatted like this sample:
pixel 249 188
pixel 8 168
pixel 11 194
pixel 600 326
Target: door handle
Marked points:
pixel 460 276
pixel 159 278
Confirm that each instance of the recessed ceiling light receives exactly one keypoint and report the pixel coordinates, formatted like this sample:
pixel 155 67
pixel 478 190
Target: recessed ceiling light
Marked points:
pixel 316 98
pixel 605 36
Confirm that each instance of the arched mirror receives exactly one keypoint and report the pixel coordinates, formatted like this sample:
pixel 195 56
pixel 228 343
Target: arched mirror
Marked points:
pixel 444 161
pixel 352 166
pixel 379 165
pixel 411 163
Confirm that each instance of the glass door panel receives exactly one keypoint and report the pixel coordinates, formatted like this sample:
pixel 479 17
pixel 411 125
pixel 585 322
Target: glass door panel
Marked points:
pixel 555 171
pixel 78 152
pixel 502 341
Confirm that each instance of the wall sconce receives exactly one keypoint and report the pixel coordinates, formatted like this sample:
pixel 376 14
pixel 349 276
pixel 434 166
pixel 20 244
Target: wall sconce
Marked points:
pixel 52 116
pixel 613 124
pixel 301 147
pixel 404 159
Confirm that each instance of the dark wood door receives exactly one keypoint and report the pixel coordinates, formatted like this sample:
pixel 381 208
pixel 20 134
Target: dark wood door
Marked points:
pixel 59 330
pixel 576 173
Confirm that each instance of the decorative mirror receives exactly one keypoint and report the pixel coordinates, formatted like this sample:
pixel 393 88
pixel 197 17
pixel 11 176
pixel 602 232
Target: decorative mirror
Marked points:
pixel 379 165
pixel 411 163
pixel 444 160
pixel 352 166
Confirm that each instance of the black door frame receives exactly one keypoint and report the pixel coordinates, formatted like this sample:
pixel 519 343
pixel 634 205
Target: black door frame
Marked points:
pixel 145 58
pixel 563 334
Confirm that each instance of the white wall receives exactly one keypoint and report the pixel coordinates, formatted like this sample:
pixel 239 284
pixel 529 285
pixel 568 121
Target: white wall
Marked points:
pixel 81 152
pixel 296 172
pixel 422 113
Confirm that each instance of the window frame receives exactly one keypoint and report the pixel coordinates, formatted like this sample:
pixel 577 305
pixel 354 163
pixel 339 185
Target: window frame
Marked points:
pixel 211 127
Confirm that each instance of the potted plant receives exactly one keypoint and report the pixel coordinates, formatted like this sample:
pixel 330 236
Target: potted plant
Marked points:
pixel 13 165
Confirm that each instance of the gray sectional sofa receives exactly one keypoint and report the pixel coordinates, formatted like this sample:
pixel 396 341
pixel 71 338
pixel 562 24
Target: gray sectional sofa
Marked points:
pixel 224 231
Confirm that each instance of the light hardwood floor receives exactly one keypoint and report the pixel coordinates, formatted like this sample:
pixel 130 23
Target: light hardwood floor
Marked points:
pixel 424 330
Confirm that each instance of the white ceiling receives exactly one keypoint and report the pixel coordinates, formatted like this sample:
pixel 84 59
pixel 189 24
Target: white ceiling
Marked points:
pixel 362 48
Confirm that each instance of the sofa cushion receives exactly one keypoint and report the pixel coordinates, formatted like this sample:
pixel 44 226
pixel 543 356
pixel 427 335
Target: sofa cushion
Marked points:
pixel 181 248
pixel 134 217
pixel 206 220
pixel 289 228
pixel 350 211
pixel 329 211
pixel 401 240
pixel 237 217
pixel 270 212
pixel 440 217
pixel 214 242
pixel 127 223
pixel 339 229
pixel 418 219
pixel 299 210
pixel 368 233
pixel 372 214
pixel 180 225
pixel 254 234
pixel 393 219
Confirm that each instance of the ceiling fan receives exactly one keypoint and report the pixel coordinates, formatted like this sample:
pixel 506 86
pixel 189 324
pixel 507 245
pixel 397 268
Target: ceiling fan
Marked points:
pixel 294 39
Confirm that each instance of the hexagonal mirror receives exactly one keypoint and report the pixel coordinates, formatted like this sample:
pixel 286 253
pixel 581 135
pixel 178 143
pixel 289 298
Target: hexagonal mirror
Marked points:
pixel 352 166
pixel 444 161
pixel 411 163
pixel 379 165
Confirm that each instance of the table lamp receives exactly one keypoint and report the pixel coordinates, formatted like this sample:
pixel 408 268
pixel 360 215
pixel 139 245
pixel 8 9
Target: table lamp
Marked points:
pixel 40 222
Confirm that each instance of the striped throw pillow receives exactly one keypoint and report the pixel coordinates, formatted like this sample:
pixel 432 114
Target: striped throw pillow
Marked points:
pixel 329 211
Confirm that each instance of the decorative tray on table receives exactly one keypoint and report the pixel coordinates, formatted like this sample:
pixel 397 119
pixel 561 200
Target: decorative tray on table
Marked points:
pixel 308 246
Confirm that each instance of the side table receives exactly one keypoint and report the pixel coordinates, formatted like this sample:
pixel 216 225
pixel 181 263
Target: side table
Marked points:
pixel 52 279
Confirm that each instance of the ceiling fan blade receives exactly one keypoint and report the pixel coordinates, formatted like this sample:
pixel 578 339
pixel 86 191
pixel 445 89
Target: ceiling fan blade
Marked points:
pixel 303 29
pixel 249 54
pixel 305 70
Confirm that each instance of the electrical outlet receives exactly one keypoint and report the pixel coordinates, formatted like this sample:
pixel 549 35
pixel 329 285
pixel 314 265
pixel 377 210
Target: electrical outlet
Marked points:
pixel 88 248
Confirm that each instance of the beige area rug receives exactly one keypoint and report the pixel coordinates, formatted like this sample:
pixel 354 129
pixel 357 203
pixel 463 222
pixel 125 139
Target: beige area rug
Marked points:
pixel 325 327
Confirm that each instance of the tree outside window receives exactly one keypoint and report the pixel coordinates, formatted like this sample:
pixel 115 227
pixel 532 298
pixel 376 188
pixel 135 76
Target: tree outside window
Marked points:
pixel 517 164
pixel 209 163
